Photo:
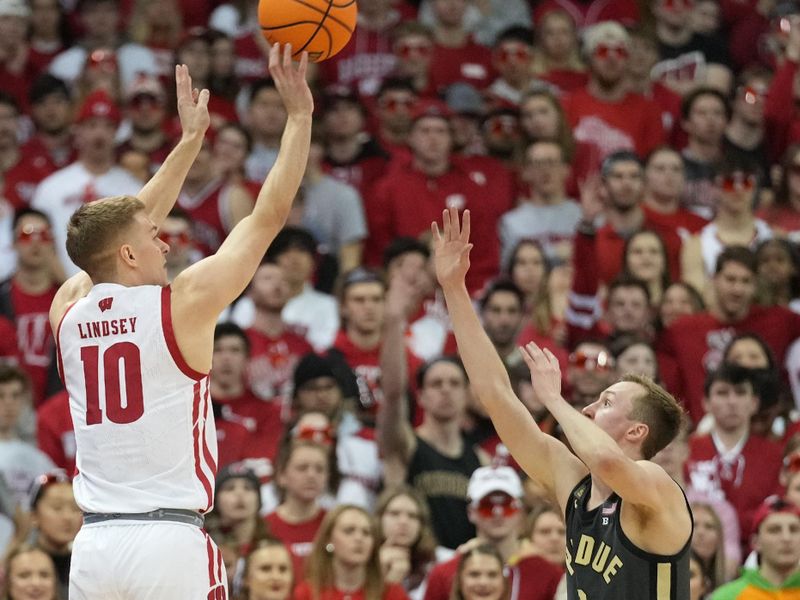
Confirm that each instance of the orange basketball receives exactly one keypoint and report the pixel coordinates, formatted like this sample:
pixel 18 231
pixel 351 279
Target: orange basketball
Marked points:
pixel 319 27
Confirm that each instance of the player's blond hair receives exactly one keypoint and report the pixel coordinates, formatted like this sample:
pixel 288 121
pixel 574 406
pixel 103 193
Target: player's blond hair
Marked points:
pixel 657 409
pixel 93 229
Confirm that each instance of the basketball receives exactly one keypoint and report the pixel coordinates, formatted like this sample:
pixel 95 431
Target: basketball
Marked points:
pixel 320 27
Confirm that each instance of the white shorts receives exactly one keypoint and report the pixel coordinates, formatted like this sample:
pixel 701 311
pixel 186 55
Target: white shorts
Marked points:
pixel 135 560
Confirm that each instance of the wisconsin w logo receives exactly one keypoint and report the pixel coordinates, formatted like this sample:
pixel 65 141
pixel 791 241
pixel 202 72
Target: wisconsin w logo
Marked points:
pixel 105 304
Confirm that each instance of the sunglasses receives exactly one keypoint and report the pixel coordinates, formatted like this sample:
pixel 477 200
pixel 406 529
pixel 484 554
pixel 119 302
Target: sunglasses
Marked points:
pixel 736 182
pixel 501 125
pixel 323 436
pixel 408 49
pixel 589 362
pixel 497 505
pixel 396 104
pixel 507 54
pixel 753 94
pixel 29 234
pixel 175 239
pixel 607 50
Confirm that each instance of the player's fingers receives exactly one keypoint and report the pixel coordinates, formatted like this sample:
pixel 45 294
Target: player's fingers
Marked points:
pixel 551 357
pixel 287 57
pixel 465 226
pixel 303 65
pixel 527 357
pixel 446 225
pixel 202 99
pixel 437 237
pixel 195 95
pixel 274 54
pixel 456 225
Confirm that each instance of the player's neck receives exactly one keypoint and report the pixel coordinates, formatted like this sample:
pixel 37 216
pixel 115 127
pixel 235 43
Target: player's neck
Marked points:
pixel 294 510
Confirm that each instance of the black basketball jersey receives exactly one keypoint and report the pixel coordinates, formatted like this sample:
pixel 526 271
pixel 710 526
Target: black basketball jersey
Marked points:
pixel 603 564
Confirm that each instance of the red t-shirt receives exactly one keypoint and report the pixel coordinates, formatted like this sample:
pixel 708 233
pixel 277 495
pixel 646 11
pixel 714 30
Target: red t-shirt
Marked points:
pixel 693 344
pixel 745 481
pixel 272 361
pixel 297 537
pixel 55 435
pixel 366 364
pixel 406 202
pixel 35 164
pixel 8 340
pixel 391 591
pixel 633 123
pixel 34 337
pixel 471 63
pixel 566 80
pixel 232 441
pixel 263 422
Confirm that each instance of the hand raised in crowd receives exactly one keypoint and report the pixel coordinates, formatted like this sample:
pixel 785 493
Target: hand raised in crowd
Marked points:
pixel 395 562
pixel 402 297
pixel 451 248
pixel 192 104
pixel 592 197
pixel 290 81
pixel 545 372
pixel 793 43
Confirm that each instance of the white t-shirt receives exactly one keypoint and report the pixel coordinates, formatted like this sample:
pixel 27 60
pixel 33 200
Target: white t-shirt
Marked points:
pixel 20 464
pixel 60 195
pixel 132 59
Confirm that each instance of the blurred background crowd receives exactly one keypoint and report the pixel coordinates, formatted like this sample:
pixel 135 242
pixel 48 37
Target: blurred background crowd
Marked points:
pixel 633 173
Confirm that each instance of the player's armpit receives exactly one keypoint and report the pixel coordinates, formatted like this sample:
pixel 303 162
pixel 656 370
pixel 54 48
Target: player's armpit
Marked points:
pixel 73 289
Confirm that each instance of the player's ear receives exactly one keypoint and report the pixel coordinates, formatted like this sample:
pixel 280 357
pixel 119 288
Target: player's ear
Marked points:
pixel 126 254
pixel 638 432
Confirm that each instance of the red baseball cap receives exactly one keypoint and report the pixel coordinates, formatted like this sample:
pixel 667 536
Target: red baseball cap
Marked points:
pixel 430 108
pixel 98 104
pixel 773 505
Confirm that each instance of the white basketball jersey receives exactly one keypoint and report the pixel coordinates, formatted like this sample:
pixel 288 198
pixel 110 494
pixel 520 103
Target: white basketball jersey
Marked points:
pixel 144 427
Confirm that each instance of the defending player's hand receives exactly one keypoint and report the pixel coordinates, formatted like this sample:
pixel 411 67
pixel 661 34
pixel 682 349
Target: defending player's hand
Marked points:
pixel 545 372
pixel 290 81
pixel 192 104
pixel 451 248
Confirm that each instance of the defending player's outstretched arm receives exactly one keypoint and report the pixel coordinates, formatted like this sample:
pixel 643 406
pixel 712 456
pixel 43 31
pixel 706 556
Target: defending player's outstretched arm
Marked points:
pixel 213 283
pixel 542 457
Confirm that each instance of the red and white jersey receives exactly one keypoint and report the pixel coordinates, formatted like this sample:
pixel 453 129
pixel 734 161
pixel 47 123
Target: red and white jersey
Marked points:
pixel 144 425
pixel 208 210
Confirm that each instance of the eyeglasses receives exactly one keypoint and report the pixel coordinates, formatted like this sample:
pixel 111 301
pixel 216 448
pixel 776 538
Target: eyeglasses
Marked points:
pixel 29 234
pixel 752 94
pixel 43 481
pixel 603 361
pixel 396 104
pixel 323 436
pixel 516 53
pixel 736 182
pixel 498 504
pixel 406 50
pixel 175 239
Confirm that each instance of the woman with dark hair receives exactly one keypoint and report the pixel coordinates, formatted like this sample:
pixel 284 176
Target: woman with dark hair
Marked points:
pixel 408 544
pixel 634 354
pixel 645 258
pixel 267 572
pixel 699 580
pixel 344 560
pixel 779 273
pixel 29 574
pixel 783 215
pixel 480 575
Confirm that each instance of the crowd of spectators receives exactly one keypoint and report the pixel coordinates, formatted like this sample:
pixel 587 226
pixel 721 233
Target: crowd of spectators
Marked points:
pixel 633 173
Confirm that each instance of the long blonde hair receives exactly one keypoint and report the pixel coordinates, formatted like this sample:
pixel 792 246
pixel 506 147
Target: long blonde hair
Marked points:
pixel 319 564
pixel 19 550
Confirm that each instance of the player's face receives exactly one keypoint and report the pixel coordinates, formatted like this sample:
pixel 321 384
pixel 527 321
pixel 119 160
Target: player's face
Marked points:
pixel 269 289
pixel 57 515
pixel 305 477
pixel 401 522
pixel 502 318
pixel 149 250
pixel 549 537
pixel 236 501
pixel 229 360
pixel 32 576
pixel 482 578
pixel 444 392
pixel 269 574
pixel 735 288
pixel 778 541
pixel 731 405
pixel 12 397
pixel 352 539
pixel 610 412
pixel 362 307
